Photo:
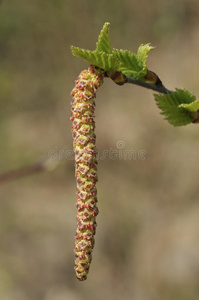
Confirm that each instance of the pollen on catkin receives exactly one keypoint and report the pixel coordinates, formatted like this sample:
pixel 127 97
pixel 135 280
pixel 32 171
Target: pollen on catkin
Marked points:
pixel 84 144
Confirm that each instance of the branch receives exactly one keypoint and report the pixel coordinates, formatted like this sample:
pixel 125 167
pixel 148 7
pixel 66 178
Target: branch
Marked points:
pixel 155 87
pixel 152 81
pixel 47 165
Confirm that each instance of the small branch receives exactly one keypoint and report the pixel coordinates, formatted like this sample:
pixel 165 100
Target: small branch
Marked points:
pixel 155 87
pixel 152 82
pixel 46 165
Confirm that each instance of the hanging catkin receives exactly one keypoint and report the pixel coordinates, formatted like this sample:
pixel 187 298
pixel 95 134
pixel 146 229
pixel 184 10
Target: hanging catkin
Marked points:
pixel 84 144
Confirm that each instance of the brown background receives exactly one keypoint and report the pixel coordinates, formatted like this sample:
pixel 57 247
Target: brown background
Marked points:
pixel 147 237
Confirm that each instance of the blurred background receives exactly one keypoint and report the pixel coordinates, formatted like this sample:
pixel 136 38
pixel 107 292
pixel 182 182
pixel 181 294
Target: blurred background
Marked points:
pixel 148 227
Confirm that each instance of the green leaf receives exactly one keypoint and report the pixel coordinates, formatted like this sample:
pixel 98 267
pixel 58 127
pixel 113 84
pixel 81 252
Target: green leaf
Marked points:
pixel 104 43
pixel 171 106
pixel 142 55
pixel 107 62
pixel 133 65
pixel 191 107
pixel 128 63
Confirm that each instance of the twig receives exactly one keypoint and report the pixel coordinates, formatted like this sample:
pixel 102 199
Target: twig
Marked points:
pixel 152 81
pixel 47 165
pixel 155 87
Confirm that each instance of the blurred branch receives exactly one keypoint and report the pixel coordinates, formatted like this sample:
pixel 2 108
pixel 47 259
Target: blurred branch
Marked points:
pixel 47 165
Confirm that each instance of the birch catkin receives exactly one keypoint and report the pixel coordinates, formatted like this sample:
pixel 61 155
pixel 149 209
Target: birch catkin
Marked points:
pixel 84 143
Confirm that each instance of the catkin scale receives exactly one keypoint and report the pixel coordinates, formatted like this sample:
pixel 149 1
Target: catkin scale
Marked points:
pixel 84 144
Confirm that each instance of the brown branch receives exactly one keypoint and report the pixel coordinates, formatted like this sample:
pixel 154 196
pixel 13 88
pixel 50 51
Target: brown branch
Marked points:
pixel 152 81
pixel 47 165
pixel 155 87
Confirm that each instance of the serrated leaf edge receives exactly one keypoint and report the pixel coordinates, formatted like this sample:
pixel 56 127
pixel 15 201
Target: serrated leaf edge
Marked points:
pixel 103 43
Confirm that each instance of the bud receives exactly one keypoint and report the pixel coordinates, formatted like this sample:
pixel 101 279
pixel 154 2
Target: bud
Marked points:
pixel 84 144
pixel 153 78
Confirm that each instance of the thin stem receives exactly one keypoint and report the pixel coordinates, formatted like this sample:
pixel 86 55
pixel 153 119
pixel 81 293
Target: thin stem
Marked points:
pixel 46 165
pixel 158 88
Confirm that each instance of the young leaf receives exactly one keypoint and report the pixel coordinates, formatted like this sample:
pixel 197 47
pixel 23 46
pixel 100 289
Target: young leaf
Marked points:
pixel 171 106
pixel 192 107
pixel 104 43
pixel 142 55
pixel 133 65
pixel 129 65
pixel 107 62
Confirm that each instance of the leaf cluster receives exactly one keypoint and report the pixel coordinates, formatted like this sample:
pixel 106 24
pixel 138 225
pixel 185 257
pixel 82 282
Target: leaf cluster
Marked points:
pixel 179 107
pixel 110 60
